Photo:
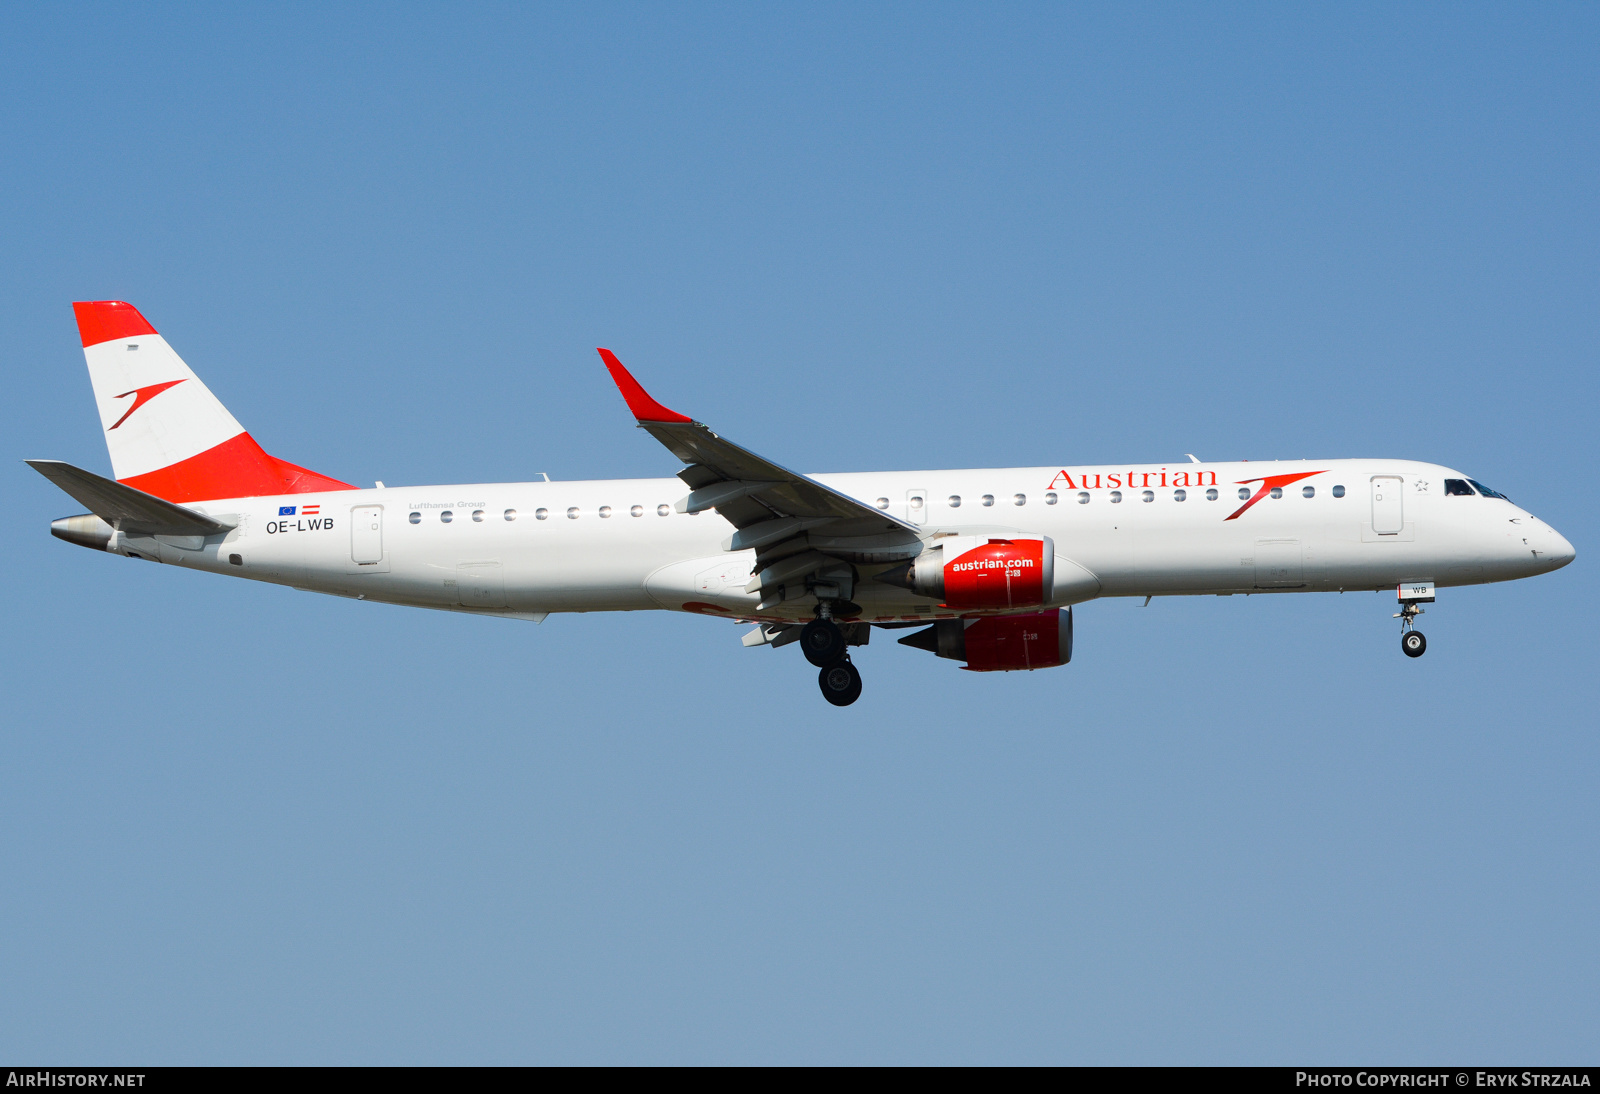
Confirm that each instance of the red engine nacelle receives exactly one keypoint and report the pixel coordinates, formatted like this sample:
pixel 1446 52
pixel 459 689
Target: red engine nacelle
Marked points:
pixel 1006 643
pixel 999 573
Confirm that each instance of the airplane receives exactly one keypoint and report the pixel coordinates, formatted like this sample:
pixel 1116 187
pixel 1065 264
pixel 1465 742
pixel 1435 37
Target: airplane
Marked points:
pixel 984 566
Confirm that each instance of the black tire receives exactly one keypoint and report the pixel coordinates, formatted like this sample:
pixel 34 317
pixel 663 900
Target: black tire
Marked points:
pixel 1413 643
pixel 840 684
pixel 823 643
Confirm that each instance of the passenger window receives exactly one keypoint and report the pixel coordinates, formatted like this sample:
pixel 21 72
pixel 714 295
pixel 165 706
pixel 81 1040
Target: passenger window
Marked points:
pixel 1149 495
pixel 1457 488
pixel 1277 491
pixel 988 499
pixel 541 514
pixel 1211 495
pixel 1050 497
pixel 882 503
pixel 663 510
pixel 1486 492
pixel 446 517
pixel 1244 493
pixel 1019 499
pixel 1308 492
pixel 955 501
pixel 511 514
pixel 605 511
pixel 1338 491
pixel 1083 497
pixel 636 511
pixel 415 518
pixel 1179 495
pixel 1116 497
pixel 477 515
pixel 572 514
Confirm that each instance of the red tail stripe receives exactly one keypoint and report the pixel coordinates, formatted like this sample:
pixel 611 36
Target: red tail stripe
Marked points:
pixel 236 468
pixel 107 320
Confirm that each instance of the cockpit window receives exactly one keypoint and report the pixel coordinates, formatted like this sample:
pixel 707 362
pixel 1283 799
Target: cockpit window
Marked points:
pixel 1457 488
pixel 1486 492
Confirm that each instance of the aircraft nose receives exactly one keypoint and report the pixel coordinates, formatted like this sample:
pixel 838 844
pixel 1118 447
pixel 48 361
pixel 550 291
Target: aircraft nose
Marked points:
pixel 1560 550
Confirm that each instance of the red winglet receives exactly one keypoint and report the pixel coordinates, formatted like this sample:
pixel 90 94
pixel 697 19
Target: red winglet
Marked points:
pixel 104 320
pixel 644 408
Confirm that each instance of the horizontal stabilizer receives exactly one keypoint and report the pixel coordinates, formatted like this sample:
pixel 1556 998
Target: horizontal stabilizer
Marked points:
pixel 124 507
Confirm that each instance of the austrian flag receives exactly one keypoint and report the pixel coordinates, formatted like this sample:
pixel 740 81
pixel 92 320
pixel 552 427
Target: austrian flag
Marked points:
pixel 310 510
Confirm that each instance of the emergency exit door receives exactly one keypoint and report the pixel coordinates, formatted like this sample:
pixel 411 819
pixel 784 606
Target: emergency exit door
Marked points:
pixel 366 535
pixel 1388 506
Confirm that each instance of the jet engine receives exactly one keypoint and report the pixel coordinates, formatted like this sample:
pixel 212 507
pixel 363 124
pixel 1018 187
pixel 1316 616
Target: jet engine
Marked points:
pixel 1003 643
pixel 979 573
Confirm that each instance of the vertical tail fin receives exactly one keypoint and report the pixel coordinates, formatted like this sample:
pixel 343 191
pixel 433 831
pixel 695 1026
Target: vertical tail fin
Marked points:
pixel 168 435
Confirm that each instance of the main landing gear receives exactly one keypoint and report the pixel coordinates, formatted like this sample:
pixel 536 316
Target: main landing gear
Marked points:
pixel 823 642
pixel 840 684
pixel 824 646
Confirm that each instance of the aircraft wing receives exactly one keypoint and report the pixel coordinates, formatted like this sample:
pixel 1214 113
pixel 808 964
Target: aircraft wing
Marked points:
pixel 124 507
pixel 777 512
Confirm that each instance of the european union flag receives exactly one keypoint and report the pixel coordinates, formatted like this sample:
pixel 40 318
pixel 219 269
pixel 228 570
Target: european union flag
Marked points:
pixel 286 510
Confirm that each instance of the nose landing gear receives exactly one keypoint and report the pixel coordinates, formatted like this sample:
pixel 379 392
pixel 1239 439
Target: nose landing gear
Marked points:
pixel 1412 598
pixel 1413 643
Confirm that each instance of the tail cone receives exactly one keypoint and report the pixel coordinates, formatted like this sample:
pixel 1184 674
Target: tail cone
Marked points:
pixel 87 530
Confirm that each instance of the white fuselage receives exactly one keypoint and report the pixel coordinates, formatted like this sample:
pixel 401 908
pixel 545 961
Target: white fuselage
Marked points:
pixel 527 549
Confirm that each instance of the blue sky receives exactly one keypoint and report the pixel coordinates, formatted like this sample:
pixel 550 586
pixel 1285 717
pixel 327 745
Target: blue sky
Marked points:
pixel 243 824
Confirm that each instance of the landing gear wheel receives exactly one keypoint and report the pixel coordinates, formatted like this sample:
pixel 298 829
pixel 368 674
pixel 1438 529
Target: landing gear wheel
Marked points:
pixel 1413 644
pixel 841 683
pixel 823 643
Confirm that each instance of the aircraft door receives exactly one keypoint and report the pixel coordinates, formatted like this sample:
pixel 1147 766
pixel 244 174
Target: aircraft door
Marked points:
pixel 1388 505
pixel 366 535
pixel 917 506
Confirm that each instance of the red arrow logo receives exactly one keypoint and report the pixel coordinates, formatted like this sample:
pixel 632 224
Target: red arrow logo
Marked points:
pixel 1267 484
pixel 142 395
